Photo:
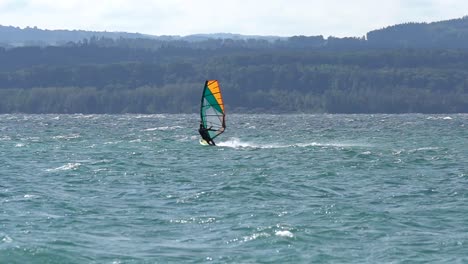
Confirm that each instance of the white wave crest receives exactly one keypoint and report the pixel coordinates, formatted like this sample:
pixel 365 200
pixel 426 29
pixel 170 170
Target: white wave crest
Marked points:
pixel 30 196
pixel 139 116
pixel 163 128
pixel 67 137
pixel 7 239
pixel 423 149
pixel 237 143
pixel 68 166
pixel 439 118
pixel 255 236
pixel 284 233
pixel 82 116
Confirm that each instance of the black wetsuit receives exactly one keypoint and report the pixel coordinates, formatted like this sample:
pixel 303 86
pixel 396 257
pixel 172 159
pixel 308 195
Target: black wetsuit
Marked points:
pixel 204 134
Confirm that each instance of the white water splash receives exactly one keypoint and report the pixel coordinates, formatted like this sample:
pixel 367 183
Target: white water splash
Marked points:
pixel 68 166
pixel 163 128
pixel 67 137
pixel 422 149
pixel 237 144
pixel 439 118
pixel 82 116
pixel 139 116
pixel 255 236
pixel 7 239
pixel 284 233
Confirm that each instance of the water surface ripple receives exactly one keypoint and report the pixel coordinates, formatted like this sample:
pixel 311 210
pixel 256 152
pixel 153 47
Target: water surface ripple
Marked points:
pixel 277 188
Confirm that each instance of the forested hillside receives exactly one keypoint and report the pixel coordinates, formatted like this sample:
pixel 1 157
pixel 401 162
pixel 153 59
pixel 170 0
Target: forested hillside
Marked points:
pixel 297 74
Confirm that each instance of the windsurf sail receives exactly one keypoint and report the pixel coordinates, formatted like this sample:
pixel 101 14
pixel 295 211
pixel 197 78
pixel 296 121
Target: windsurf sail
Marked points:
pixel 212 109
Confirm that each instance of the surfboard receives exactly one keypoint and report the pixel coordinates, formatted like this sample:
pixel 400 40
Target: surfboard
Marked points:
pixel 203 142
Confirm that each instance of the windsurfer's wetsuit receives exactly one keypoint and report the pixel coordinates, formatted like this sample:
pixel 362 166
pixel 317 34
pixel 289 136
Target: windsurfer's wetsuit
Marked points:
pixel 204 134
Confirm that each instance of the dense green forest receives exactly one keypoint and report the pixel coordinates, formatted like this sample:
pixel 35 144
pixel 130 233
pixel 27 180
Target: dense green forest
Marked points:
pixel 296 74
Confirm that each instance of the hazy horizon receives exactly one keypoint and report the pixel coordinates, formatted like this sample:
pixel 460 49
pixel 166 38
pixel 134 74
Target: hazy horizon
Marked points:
pixel 263 18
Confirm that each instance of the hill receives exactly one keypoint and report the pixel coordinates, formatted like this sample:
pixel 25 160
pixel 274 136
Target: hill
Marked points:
pixel 141 74
pixel 32 36
pixel 443 34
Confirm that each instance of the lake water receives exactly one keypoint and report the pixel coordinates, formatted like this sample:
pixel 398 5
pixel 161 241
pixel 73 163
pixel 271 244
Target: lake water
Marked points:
pixel 277 188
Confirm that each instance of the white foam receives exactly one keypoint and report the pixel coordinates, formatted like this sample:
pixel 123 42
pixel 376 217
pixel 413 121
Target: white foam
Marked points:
pixel 237 143
pixel 149 116
pixel 71 136
pixel 112 142
pixel 68 166
pixel 439 118
pixel 334 144
pixel 7 239
pixel 81 116
pixel 422 149
pixel 163 128
pixel 284 233
pixel 255 236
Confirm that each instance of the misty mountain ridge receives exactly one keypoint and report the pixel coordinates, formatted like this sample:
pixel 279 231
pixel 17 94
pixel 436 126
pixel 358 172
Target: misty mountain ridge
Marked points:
pixel 451 33
pixel 33 36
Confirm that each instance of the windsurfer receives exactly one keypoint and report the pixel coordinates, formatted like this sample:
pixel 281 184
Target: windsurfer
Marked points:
pixel 204 134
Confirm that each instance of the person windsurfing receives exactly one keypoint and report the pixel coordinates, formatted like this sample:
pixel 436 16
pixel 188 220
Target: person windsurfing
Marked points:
pixel 205 135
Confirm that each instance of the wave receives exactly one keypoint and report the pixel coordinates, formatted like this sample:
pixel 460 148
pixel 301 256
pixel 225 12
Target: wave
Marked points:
pixel 139 116
pixel 237 144
pixel 83 116
pixel 7 239
pixel 439 118
pixel 423 149
pixel 163 128
pixel 284 233
pixel 67 137
pixel 68 166
pixel 5 138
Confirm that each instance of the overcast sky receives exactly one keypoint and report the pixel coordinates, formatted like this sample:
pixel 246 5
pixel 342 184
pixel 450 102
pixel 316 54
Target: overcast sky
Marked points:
pixel 338 18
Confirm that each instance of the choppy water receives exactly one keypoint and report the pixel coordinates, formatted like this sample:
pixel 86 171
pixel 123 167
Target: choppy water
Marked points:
pixel 277 188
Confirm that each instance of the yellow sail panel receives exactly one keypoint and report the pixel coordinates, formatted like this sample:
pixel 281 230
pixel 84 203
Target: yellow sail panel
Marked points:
pixel 213 86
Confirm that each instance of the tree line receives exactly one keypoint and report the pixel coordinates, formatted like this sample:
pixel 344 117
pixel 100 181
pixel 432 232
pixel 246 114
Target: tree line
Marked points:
pixel 92 77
